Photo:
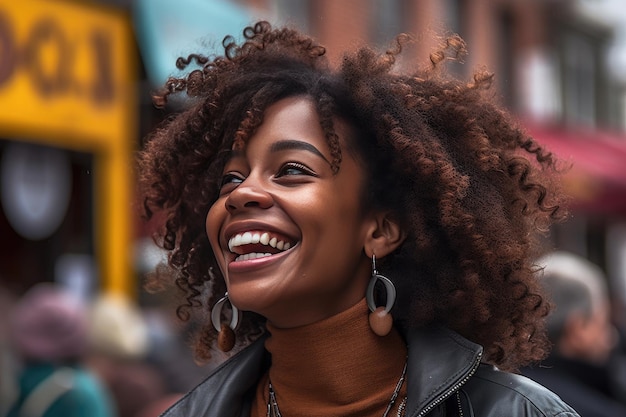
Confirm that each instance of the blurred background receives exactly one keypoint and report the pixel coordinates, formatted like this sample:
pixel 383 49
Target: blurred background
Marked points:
pixel 75 84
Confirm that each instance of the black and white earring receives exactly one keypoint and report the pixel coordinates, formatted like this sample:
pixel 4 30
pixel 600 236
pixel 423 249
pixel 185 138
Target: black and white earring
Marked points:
pixel 226 332
pixel 380 317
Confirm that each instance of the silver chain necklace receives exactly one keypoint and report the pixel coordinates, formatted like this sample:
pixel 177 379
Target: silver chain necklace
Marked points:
pixel 274 411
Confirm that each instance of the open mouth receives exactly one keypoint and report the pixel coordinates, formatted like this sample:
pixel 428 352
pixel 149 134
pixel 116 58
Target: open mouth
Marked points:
pixel 258 244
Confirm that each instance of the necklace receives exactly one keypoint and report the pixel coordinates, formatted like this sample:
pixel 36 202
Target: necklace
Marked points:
pixel 274 411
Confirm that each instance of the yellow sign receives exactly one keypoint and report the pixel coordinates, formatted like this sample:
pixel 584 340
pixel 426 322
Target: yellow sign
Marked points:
pixel 64 66
pixel 67 79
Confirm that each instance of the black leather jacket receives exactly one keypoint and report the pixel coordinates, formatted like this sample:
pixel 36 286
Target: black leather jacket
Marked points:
pixel 445 378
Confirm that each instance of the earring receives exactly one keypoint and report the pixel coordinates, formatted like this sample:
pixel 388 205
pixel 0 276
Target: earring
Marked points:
pixel 226 333
pixel 380 318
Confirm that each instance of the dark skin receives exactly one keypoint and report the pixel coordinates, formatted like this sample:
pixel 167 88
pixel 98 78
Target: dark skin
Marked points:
pixel 468 188
pixel 282 184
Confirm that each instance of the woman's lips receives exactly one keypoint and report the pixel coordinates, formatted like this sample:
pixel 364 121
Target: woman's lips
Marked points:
pixel 256 244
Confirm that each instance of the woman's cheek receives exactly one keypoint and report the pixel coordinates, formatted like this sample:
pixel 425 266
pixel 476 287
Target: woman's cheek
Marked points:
pixel 212 227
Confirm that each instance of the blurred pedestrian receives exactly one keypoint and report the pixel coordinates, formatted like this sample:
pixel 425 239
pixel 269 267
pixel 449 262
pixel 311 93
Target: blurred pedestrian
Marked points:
pixel 581 330
pixel 118 340
pixel 48 330
pixel 157 407
pixel 8 384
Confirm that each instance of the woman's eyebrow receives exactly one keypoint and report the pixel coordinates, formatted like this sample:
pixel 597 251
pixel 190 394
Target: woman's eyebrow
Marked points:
pixel 291 144
pixel 228 154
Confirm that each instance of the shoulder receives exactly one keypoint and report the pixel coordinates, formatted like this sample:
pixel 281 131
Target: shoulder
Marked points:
pixel 86 394
pixel 495 393
pixel 226 390
pixel 88 384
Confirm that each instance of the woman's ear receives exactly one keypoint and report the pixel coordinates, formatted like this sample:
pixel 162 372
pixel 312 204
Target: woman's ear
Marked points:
pixel 384 236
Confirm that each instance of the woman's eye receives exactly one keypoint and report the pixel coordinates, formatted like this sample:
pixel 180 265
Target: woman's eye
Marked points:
pixel 294 168
pixel 230 181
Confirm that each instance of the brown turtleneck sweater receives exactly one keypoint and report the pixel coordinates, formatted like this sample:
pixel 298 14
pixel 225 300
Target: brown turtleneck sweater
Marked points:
pixel 335 367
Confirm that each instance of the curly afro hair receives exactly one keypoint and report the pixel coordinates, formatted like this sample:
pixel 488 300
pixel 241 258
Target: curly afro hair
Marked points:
pixel 470 188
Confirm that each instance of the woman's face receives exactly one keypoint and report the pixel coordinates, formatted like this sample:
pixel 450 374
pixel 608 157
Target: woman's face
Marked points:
pixel 288 234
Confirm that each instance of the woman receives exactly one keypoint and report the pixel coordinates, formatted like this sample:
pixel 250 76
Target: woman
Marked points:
pixel 307 205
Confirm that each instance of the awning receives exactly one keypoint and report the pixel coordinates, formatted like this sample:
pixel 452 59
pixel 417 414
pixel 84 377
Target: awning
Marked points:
pixel 168 29
pixel 597 179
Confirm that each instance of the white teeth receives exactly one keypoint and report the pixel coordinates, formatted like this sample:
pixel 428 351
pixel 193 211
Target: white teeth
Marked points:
pixel 256 237
pixel 253 255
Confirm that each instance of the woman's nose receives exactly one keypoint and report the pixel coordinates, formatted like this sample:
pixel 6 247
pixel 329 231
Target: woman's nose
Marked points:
pixel 249 194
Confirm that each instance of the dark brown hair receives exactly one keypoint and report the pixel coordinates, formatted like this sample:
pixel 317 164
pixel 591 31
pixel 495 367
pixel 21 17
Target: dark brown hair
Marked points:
pixel 468 185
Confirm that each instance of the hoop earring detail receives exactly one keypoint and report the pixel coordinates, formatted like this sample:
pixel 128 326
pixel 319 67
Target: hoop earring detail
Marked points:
pixel 226 332
pixel 380 318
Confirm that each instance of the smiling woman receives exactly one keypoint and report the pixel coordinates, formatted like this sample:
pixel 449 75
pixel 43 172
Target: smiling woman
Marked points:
pixel 364 238
pixel 282 187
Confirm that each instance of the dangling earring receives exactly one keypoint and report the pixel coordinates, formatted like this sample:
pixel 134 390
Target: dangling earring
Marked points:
pixel 380 318
pixel 226 333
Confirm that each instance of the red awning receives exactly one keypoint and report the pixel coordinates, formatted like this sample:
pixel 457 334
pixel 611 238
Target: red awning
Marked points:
pixel 597 179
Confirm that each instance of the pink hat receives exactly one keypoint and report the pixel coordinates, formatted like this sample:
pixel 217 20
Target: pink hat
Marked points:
pixel 49 325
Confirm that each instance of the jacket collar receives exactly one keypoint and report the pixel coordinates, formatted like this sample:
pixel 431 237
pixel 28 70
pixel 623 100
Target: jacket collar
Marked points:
pixel 440 361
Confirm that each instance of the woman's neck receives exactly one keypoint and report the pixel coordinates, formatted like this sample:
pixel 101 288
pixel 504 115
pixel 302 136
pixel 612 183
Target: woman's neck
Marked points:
pixel 337 366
